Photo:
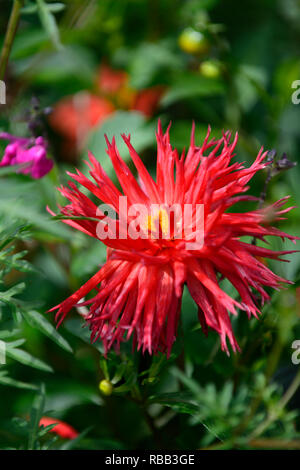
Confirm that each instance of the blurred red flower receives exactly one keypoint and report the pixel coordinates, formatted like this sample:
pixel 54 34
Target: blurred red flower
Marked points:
pixel 146 101
pixel 74 116
pixel 110 80
pixel 115 83
pixel 62 429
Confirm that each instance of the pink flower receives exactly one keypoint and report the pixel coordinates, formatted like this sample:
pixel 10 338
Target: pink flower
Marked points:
pixel 31 152
pixel 139 289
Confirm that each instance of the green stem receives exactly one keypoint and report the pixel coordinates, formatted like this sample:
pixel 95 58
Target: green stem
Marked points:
pixel 273 361
pixel 274 358
pixel 10 35
pixel 282 404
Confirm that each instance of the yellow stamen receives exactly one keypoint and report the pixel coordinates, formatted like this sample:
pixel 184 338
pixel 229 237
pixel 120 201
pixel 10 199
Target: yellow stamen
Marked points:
pixel 159 222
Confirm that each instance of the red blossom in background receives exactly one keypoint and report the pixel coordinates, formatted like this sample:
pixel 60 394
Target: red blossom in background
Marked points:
pixel 62 429
pixel 75 116
pixel 115 84
pixel 110 80
pixel 146 101
pixel 139 289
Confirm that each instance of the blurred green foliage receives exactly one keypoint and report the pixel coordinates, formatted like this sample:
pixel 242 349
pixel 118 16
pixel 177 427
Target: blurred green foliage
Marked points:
pixel 227 64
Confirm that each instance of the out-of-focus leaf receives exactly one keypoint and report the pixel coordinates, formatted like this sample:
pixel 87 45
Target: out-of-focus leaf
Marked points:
pixel 226 395
pixel 10 293
pixel 72 443
pixel 178 401
pixel 149 59
pixel 191 384
pixel 49 23
pixel 33 8
pixel 36 414
pixel 26 45
pixel 21 202
pixel 5 380
pixel 7 334
pixel 74 65
pixel 16 344
pixel 191 85
pixel 249 82
pixel 27 359
pixel 77 328
pixel 41 323
pixel 89 260
pixel 72 395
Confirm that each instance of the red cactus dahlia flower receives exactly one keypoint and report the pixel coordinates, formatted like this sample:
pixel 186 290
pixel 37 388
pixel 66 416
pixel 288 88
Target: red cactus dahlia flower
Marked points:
pixel 139 289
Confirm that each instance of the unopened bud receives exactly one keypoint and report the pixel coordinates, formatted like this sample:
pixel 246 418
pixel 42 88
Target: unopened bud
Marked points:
pixel 106 387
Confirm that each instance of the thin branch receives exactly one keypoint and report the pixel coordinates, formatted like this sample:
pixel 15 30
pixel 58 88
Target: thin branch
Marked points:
pixel 281 405
pixel 10 35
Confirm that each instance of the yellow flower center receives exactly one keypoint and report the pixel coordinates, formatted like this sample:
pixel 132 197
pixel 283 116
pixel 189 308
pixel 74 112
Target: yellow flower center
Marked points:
pixel 159 224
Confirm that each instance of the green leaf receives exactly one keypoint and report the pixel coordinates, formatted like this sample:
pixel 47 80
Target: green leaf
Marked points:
pixel 15 290
pixel 31 8
pixel 88 260
pixel 27 359
pixel 26 45
pixel 191 384
pixel 13 232
pixel 36 414
pixel 226 395
pixel 8 334
pixel 73 442
pixel 43 430
pixel 157 363
pixel 16 344
pixel 49 23
pixel 74 65
pixel 49 443
pixel 78 328
pixel 41 323
pixel 12 169
pixel 4 380
pixel 190 86
pixel 17 201
pixel 150 59
pixel 178 401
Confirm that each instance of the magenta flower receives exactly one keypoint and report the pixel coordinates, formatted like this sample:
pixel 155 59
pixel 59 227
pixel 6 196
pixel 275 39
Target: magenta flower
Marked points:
pixel 23 150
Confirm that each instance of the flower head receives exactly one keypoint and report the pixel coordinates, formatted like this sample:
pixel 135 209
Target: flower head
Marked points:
pixel 32 153
pixel 139 289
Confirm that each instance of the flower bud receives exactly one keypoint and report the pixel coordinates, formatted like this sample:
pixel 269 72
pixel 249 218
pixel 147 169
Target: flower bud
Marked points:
pixel 193 42
pixel 210 69
pixel 106 387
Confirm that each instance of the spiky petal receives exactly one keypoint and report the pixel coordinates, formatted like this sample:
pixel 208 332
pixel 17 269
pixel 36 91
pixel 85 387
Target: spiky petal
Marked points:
pixel 139 289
